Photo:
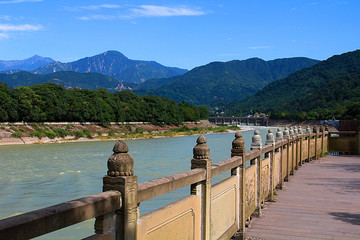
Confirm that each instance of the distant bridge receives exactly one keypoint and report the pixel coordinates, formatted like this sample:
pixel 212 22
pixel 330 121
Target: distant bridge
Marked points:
pixel 254 121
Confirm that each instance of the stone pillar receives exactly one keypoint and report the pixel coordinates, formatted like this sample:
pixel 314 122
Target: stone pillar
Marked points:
pixel 291 132
pixel 279 135
pixel 238 149
pixel 120 177
pixel 202 160
pixel 270 140
pixel 321 151
pixel 279 138
pixel 300 131
pixel 256 144
pixel 287 146
pixel 326 128
pixel 286 133
pixel 295 131
pixel 308 131
pixel 316 139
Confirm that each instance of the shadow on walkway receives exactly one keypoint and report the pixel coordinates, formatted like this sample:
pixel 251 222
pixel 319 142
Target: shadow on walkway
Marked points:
pixel 347 217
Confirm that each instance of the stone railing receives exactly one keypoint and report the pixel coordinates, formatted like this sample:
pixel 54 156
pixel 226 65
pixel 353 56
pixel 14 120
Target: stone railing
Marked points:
pixel 209 212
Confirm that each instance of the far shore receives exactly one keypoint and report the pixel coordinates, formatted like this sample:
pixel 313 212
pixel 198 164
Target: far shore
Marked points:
pixel 121 131
pixel 148 131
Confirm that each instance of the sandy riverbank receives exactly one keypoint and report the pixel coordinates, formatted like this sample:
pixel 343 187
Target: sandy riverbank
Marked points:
pixel 101 133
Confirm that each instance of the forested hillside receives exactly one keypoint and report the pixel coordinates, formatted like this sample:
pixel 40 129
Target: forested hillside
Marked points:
pixel 52 102
pixel 222 82
pixel 91 81
pixel 328 89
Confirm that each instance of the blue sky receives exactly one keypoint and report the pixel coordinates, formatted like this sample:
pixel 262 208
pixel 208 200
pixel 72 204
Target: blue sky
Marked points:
pixel 184 34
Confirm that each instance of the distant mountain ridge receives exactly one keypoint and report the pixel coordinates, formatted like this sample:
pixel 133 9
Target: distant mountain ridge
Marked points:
pixel 116 65
pixel 328 89
pixel 223 82
pixel 28 64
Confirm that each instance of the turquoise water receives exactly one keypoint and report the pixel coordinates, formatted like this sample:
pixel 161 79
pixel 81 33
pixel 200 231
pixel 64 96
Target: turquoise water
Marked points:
pixel 37 176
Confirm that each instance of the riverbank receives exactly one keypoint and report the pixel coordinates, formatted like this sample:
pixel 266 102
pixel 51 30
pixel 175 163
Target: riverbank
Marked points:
pixel 11 134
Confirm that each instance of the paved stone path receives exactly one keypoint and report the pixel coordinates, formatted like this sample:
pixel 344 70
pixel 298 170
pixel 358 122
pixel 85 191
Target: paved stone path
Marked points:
pixel 321 201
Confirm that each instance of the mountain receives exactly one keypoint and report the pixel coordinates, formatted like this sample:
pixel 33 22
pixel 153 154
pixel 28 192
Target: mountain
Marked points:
pixel 329 88
pixel 28 64
pixel 223 82
pixel 116 65
pixel 89 81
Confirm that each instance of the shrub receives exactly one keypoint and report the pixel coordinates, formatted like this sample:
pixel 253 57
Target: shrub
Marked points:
pixel 61 132
pixel 37 133
pixel 79 134
pixel 16 135
pixel 87 133
pixel 50 134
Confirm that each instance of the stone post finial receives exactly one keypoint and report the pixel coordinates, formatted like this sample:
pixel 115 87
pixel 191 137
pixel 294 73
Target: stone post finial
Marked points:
pixel 286 133
pixel 314 129
pixel 120 163
pixel 201 150
pixel 291 132
pixel 300 131
pixel 295 131
pixel 256 140
pixel 279 135
pixel 321 128
pixel 326 128
pixel 270 139
pixel 308 129
pixel 238 145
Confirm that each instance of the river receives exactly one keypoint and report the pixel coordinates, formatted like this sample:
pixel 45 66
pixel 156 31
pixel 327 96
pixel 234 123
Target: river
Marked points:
pixel 37 176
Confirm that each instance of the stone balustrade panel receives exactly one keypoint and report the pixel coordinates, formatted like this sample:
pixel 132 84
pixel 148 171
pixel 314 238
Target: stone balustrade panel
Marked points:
pixel 304 149
pixel 312 147
pixel 277 174
pixel 265 179
pixel 178 220
pixel 251 190
pixel 225 208
pixel 284 163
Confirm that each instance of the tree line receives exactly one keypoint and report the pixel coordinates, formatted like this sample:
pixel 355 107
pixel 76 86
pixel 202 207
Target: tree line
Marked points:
pixel 50 102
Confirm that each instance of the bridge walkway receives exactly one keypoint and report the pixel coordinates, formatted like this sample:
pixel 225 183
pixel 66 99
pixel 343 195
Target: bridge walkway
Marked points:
pixel 322 201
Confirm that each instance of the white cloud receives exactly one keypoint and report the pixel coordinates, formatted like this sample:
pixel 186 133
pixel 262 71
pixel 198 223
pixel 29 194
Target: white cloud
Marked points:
pixel 97 17
pixel 4 36
pixel 163 11
pixel 260 47
pixel 95 7
pixel 21 28
pixel 130 12
pixel 5 18
pixel 19 1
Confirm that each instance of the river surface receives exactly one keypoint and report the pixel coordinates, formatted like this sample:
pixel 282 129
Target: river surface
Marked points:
pixel 38 176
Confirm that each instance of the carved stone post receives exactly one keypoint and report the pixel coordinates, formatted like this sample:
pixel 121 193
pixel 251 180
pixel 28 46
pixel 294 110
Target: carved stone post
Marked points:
pixel 256 144
pixel 120 177
pixel 295 131
pixel 316 139
pixel 279 138
pixel 202 160
pixel 322 139
pixel 308 131
pixel 270 140
pixel 301 145
pixel 279 135
pixel 238 149
pixel 287 146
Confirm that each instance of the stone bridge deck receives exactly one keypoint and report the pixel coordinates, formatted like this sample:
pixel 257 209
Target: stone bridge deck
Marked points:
pixel 322 201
